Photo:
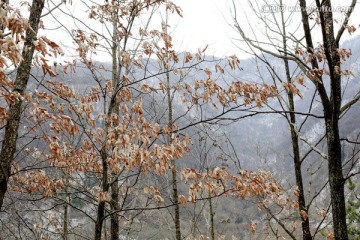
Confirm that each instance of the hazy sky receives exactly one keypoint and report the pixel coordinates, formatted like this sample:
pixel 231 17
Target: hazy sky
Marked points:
pixel 210 22
pixel 205 22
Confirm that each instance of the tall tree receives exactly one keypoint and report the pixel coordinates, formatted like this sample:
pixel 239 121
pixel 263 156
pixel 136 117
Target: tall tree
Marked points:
pixel 332 104
pixel 283 77
pixel 295 139
pixel 15 108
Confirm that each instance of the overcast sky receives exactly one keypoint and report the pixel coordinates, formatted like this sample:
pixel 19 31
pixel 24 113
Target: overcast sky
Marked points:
pixel 210 22
pixel 205 22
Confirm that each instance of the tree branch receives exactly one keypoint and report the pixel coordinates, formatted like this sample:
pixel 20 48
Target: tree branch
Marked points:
pixel 343 27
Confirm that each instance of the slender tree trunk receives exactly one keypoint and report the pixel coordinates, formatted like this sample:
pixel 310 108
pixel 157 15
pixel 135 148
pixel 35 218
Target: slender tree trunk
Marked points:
pixel 298 173
pixel 212 229
pixel 331 113
pixel 176 202
pixel 193 220
pixel 105 187
pixel 114 197
pixel 66 209
pixel 175 196
pixel 295 144
pixel 22 77
pixel 212 214
pixel 66 218
pixel 114 202
pixel 66 215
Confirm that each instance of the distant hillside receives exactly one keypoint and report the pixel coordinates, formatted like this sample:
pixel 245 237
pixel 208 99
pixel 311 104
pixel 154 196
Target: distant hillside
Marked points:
pixel 261 141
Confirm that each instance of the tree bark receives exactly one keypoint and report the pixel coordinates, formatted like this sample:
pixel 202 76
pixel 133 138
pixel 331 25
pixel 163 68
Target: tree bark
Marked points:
pixel 212 214
pixel 298 172
pixel 114 205
pixel 297 162
pixel 22 76
pixel 105 188
pixel 66 208
pixel 336 181
pixel 175 195
pixel 331 108
pixel 295 145
pixel 114 198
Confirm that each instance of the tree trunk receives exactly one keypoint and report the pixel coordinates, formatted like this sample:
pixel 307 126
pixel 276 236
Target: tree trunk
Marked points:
pixel 114 198
pixel 114 205
pixel 175 195
pixel 105 187
pixel 212 214
pixel 336 180
pixel 295 144
pixel 331 112
pixel 66 208
pixel 176 202
pixel 298 173
pixel 22 77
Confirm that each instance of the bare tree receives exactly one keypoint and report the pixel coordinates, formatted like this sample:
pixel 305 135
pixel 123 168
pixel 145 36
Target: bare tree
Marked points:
pixel 331 102
pixel 15 108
